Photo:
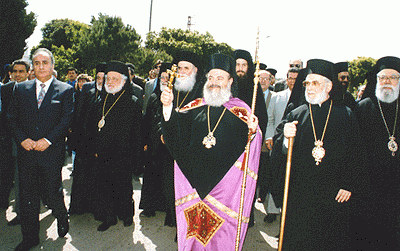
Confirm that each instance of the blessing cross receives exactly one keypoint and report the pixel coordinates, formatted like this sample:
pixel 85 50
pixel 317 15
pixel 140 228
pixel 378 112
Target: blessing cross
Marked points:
pixel 172 74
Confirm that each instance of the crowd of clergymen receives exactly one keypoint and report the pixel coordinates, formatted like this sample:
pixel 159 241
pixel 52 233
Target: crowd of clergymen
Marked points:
pixel 343 187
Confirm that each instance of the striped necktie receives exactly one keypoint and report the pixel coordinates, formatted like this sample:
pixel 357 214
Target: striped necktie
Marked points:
pixel 41 95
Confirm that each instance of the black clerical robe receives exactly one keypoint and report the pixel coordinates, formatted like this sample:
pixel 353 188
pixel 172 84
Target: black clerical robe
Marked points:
pixel 315 220
pixel 380 204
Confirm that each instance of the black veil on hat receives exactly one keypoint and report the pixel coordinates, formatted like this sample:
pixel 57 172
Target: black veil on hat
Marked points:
pixel 246 56
pixel 388 62
pixel 297 97
pixel 226 63
pixel 272 71
pixel 341 67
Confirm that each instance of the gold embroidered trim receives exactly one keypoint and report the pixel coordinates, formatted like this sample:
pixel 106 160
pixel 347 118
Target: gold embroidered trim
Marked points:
pixel 250 172
pixel 231 213
pixel 240 112
pixel 192 104
pixel 187 198
pixel 203 223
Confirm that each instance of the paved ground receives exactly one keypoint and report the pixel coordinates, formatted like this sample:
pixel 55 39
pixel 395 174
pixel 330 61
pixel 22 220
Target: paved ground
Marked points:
pixel 145 234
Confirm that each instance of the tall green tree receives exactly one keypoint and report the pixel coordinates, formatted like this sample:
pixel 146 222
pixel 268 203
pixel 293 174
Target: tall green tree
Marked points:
pixel 63 32
pixel 16 25
pixel 108 39
pixel 173 40
pixel 358 69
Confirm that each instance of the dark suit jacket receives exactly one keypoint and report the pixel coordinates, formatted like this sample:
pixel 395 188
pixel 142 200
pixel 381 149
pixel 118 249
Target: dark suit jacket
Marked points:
pixel 50 121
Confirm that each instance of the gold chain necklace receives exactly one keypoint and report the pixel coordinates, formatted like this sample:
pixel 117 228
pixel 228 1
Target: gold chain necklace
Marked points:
pixel 177 101
pixel 102 121
pixel 392 145
pixel 318 152
pixel 209 140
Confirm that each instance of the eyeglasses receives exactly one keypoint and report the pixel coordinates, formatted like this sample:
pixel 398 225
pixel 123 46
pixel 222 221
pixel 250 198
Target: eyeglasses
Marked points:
pixel 295 65
pixel 392 78
pixel 312 83
pixel 113 79
pixel 291 79
pixel 265 79
pixel 344 78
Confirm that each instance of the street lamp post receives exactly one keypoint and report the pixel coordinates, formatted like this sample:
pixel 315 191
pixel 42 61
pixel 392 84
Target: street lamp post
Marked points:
pixel 151 12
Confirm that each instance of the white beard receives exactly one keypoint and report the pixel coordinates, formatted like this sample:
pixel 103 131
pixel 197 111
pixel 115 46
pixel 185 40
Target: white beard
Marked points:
pixel 317 99
pixel 215 98
pixel 185 84
pixel 115 89
pixel 385 95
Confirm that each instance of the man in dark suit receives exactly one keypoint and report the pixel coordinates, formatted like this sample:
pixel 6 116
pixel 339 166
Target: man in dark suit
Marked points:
pixel 40 114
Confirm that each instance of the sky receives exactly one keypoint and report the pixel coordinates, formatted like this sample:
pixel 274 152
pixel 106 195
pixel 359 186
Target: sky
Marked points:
pixel 340 30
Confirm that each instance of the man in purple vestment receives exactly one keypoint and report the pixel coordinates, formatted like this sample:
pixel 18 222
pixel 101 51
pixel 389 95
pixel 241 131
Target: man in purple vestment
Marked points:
pixel 207 139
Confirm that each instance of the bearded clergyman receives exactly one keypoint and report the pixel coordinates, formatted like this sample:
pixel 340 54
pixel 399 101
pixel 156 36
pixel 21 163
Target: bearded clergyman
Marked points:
pixel 378 115
pixel 209 153
pixel 114 137
pixel 324 165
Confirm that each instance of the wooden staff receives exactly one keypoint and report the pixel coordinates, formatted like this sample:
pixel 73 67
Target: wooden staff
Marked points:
pixel 285 197
pixel 247 151
pixel 172 74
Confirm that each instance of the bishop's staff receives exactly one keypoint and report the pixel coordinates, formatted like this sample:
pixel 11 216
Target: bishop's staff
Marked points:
pixel 172 75
pixel 285 196
pixel 253 106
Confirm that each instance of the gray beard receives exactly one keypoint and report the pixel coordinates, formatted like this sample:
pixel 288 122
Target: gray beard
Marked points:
pixel 318 99
pixel 113 90
pixel 387 96
pixel 185 84
pixel 214 98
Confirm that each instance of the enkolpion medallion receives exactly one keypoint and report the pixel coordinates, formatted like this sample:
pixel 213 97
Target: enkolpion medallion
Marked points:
pixel 101 123
pixel 209 140
pixel 318 152
pixel 392 145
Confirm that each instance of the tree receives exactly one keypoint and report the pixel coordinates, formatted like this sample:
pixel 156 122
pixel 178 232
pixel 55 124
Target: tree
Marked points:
pixel 358 69
pixel 108 39
pixel 173 40
pixel 63 32
pixel 15 27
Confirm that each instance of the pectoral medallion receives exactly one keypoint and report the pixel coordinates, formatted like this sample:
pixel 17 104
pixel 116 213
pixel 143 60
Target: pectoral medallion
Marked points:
pixel 209 140
pixel 392 145
pixel 101 123
pixel 318 152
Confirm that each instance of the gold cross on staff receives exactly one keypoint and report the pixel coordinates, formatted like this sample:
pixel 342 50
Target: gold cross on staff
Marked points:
pixel 172 74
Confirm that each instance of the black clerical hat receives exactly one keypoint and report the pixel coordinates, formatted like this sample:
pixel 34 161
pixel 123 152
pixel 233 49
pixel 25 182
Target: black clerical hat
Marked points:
pixel 164 67
pixel 262 66
pixel 388 63
pixel 132 66
pixel 223 62
pixel 187 56
pixel 118 67
pixel 101 67
pixel 246 56
pixel 272 71
pixel 341 67
pixel 321 67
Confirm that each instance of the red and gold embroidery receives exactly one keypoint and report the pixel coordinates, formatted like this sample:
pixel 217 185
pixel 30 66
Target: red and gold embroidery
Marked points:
pixel 240 112
pixel 191 105
pixel 203 223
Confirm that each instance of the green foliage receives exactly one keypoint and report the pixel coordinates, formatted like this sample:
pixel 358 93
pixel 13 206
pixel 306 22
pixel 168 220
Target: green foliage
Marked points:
pixel 63 32
pixel 358 69
pixel 108 39
pixel 146 59
pixel 15 27
pixel 173 40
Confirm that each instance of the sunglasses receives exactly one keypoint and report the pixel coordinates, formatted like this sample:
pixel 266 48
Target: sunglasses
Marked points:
pixel 295 65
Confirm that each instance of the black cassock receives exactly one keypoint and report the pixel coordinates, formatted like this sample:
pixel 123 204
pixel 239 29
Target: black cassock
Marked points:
pixel 380 206
pixel 158 179
pixel 315 220
pixel 118 146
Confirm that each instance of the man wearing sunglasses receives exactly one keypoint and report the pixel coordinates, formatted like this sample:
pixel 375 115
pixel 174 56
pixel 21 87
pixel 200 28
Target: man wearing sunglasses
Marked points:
pixel 342 70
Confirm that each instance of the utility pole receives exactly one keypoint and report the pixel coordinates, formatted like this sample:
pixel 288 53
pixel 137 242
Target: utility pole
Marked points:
pixel 151 12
